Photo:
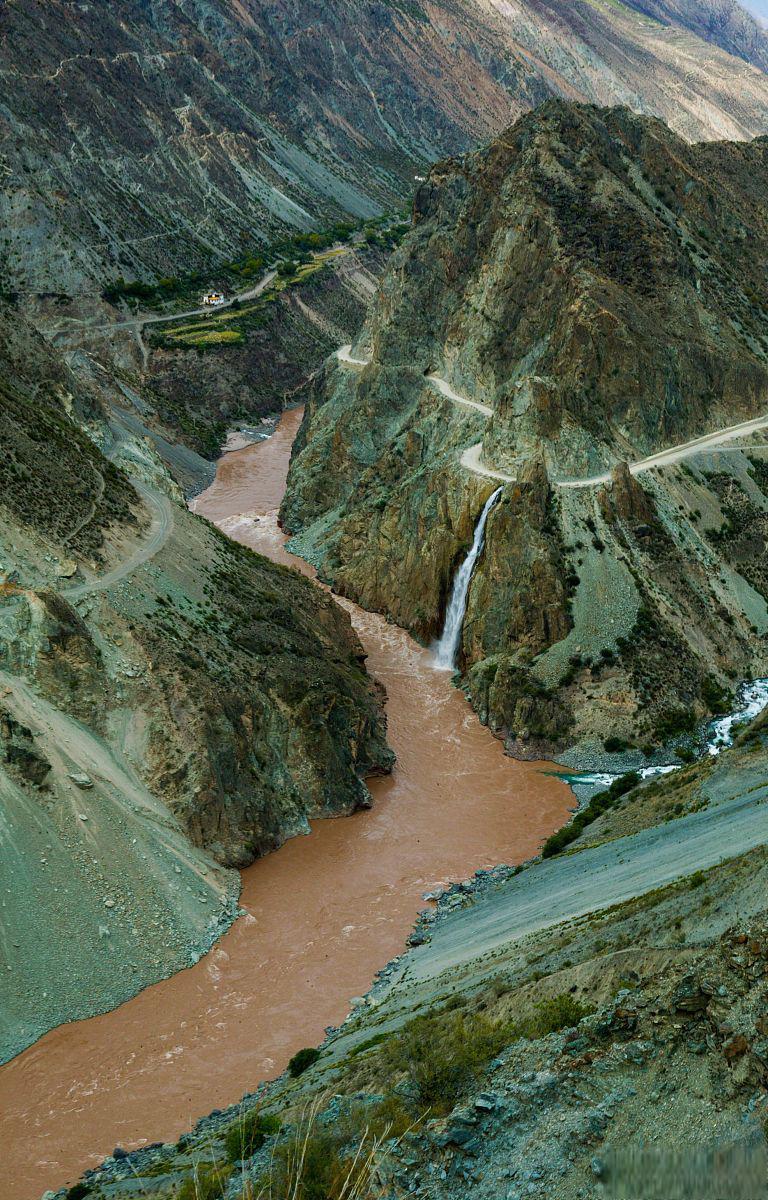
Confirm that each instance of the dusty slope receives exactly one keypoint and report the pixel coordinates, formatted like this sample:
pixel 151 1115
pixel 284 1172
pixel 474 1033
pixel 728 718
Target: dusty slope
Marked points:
pixel 595 282
pixel 211 701
pixel 155 139
pixel 103 891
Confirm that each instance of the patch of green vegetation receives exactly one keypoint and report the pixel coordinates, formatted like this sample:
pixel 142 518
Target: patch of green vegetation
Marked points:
pixel 717 698
pixel 299 248
pixel 206 1183
pixel 615 745
pixel 409 8
pixel 444 1054
pixel 758 469
pixel 550 1015
pixel 150 293
pixel 597 805
pixel 249 1133
pixel 303 1060
pixel 52 476
pixel 674 722
pixel 213 337
pixel 369 1043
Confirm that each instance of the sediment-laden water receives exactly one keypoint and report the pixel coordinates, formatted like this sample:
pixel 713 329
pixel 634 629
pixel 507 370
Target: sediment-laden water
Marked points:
pixel 322 914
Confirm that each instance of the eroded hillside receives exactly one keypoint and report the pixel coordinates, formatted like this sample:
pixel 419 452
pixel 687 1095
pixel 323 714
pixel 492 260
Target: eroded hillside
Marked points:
pixel 170 705
pixel 152 140
pixel 587 292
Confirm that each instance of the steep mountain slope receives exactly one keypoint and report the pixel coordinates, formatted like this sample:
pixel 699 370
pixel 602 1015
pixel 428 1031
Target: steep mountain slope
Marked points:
pixel 170 703
pixel 595 283
pixel 724 22
pixel 155 139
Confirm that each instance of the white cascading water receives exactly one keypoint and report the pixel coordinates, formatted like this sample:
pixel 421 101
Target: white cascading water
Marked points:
pixel 447 648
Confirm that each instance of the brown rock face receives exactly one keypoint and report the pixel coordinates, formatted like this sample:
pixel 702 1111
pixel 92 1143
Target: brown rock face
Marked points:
pixel 69 668
pixel 626 499
pixel 518 600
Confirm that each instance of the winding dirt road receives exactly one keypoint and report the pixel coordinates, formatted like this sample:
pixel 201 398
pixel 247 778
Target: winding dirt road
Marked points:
pixel 160 530
pixel 472 458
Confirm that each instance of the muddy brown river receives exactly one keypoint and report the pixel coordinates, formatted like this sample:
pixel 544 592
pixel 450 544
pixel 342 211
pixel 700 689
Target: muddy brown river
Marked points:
pixel 322 914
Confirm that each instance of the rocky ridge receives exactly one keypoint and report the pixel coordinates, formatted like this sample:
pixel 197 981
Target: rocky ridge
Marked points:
pixel 593 281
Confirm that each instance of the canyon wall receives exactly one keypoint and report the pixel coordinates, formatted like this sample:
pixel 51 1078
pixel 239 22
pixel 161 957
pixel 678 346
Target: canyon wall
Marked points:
pixel 594 281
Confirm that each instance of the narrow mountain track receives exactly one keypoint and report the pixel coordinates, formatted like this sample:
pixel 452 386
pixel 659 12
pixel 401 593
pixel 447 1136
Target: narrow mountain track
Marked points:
pixel 472 457
pixel 161 528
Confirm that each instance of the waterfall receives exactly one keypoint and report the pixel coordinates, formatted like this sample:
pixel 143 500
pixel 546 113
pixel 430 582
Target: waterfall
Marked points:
pixel 446 649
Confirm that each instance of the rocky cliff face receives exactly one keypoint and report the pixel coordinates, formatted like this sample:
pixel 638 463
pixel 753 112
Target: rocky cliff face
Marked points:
pixel 594 282
pixel 168 700
pixel 159 139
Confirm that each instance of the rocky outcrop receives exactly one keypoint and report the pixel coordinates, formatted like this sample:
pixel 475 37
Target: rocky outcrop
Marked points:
pixel 163 139
pixel 626 500
pixel 595 283
pixel 263 716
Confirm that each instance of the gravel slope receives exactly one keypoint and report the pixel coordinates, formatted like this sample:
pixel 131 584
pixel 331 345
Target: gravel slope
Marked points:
pixel 562 888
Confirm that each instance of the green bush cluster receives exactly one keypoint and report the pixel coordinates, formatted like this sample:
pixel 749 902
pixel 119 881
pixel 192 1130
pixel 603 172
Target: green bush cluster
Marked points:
pixel 717 699
pixel 550 1015
pixel 615 745
pixel 249 1133
pixel 597 805
pixel 444 1054
pixel 303 1060
pixel 164 289
pixel 673 722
